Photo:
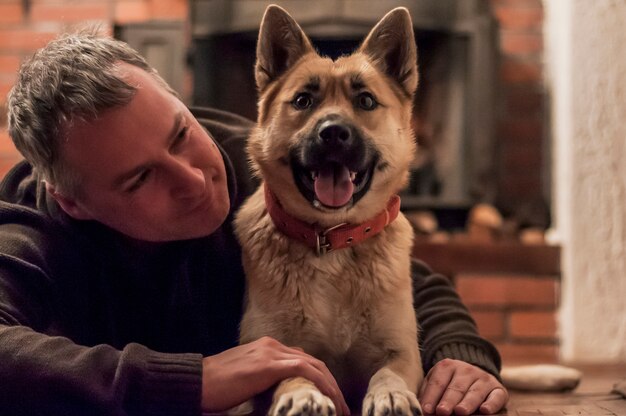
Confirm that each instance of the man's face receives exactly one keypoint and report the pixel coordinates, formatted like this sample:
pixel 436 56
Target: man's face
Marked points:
pixel 147 169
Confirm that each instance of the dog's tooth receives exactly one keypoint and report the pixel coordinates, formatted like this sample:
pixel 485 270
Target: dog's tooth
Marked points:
pixel 316 203
pixel 352 176
pixel 314 175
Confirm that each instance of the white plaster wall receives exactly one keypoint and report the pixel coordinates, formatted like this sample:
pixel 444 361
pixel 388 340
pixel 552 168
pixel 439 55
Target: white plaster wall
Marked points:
pixel 586 73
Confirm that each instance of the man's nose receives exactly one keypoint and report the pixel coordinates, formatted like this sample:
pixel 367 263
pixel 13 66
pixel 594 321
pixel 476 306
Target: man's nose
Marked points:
pixel 187 180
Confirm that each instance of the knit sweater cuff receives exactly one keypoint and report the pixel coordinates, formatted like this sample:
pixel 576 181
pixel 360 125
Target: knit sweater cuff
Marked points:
pixel 171 384
pixel 469 353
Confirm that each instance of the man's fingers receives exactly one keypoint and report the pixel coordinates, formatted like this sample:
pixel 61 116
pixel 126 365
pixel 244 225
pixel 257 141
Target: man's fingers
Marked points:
pixel 434 388
pixel 473 398
pixel 296 362
pixel 454 393
pixel 495 401
pixel 251 368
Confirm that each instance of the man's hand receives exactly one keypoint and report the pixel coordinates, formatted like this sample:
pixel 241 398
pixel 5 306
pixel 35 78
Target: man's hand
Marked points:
pixel 238 374
pixel 456 386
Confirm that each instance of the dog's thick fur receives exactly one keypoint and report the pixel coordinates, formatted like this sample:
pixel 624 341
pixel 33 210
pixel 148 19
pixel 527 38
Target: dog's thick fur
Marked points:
pixel 351 307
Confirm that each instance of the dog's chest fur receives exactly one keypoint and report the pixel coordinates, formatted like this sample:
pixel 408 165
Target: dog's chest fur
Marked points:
pixel 327 305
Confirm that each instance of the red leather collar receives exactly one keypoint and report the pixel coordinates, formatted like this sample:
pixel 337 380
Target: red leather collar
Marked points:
pixel 336 237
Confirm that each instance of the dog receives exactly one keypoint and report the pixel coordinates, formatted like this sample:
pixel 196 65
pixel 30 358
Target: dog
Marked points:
pixel 325 249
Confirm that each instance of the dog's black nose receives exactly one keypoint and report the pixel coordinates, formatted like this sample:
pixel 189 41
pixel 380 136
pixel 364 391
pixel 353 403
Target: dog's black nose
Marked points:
pixel 336 134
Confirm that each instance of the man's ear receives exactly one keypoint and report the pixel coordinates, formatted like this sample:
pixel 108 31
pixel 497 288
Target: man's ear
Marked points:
pixel 69 205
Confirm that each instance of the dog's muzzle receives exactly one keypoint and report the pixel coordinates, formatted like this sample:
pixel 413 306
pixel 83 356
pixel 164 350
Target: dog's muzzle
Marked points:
pixel 334 164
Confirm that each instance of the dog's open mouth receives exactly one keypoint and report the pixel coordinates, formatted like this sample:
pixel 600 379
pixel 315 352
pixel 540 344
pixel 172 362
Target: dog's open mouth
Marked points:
pixel 332 185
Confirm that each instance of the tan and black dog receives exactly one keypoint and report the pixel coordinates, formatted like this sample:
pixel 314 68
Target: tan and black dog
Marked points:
pixel 326 250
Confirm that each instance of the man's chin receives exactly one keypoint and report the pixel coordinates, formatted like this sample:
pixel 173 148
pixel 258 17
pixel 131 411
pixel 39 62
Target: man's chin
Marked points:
pixel 207 224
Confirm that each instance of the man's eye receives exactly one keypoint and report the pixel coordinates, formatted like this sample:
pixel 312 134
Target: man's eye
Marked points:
pixel 181 136
pixel 366 101
pixel 303 101
pixel 139 181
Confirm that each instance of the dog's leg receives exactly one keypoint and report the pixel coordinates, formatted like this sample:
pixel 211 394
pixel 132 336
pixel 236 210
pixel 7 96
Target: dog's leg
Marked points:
pixel 392 389
pixel 299 396
pixel 389 394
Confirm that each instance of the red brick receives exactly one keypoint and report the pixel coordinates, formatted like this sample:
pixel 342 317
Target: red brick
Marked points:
pixel 6 164
pixel 169 9
pixel 9 64
pixel 518 4
pixel 24 39
pixel 515 353
pixel 516 43
pixel 69 12
pixel 517 18
pixel 11 12
pixel 7 149
pixel 5 87
pixel 533 325
pixel 491 324
pixel 127 11
pixel 516 71
pixel 509 290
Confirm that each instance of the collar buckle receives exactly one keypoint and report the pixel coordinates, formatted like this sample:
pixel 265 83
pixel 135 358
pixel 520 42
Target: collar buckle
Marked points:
pixel 322 245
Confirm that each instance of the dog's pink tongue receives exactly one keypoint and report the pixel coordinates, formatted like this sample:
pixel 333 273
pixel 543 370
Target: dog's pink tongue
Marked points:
pixel 333 186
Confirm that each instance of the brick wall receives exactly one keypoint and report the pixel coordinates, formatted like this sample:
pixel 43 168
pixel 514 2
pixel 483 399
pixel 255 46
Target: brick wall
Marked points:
pixel 517 312
pixel 511 290
pixel 521 123
pixel 27 26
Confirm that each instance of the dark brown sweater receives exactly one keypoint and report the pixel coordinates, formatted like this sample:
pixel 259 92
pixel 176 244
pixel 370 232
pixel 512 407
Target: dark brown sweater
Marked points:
pixel 94 324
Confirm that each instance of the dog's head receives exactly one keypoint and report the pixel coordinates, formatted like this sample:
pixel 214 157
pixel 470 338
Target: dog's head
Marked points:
pixel 333 139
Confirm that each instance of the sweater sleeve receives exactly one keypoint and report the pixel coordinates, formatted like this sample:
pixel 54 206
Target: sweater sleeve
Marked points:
pixel 446 328
pixel 42 373
pixel 48 375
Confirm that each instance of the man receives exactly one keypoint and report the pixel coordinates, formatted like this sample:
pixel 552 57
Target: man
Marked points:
pixel 121 286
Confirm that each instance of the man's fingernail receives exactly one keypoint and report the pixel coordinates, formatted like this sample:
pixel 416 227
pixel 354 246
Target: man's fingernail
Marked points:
pixel 428 408
pixel 443 409
pixel 461 410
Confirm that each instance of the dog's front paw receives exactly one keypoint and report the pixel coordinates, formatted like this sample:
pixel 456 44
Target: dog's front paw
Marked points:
pixel 305 401
pixel 389 402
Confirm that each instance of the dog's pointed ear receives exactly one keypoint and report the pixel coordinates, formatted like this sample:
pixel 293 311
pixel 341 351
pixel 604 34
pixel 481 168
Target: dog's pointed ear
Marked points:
pixel 391 46
pixel 281 43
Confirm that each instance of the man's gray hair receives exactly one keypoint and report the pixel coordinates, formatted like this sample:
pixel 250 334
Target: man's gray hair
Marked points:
pixel 73 78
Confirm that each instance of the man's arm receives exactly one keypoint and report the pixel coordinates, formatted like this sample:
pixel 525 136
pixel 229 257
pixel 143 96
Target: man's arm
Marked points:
pixel 50 375
pixel 43 373
pixel 46 374
pixel 462 368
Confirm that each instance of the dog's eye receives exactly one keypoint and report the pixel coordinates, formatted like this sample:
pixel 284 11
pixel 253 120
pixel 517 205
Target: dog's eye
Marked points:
pixel 366 101
pixel 302 101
